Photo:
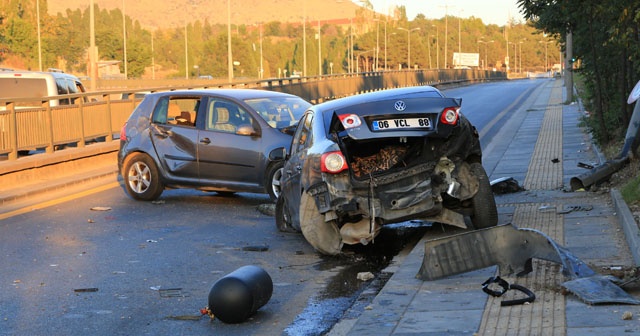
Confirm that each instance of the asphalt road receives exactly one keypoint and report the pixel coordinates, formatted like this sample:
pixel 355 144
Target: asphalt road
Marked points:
pixel 104 264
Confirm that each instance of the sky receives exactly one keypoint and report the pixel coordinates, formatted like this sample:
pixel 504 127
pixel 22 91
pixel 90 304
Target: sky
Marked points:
pixel 490 11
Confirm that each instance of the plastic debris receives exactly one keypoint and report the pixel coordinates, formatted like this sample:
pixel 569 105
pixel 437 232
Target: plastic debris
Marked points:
pixel 100 208
pixel 365 276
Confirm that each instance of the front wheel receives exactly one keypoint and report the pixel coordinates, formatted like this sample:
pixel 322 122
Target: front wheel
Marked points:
pixel 141 177
pixel 485 212
pixel 272 182
pixel 323 236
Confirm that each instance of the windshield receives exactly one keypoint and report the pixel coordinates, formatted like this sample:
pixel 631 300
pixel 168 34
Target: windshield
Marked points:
pixel 279 112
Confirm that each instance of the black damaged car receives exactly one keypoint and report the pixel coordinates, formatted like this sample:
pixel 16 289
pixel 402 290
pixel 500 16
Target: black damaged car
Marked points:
pixel 364 161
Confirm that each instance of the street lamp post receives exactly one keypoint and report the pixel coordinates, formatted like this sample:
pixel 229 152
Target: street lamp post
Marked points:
pixel 124 35
pixel 229 53
pixel 304 39
pixel 408 44
pixel 437 47
pixel 485 50
pixel 546 61
pixel 39 43
pixel 319 50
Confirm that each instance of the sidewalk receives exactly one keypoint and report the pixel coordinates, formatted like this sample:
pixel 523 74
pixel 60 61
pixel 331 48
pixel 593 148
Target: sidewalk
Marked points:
pixel 546 143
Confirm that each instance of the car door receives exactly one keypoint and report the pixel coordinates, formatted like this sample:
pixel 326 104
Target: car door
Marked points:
pixel 174 138
pixel 228 155
pixel 291 177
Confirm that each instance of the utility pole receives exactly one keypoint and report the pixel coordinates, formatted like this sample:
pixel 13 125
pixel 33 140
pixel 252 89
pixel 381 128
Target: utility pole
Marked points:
pixel 568 75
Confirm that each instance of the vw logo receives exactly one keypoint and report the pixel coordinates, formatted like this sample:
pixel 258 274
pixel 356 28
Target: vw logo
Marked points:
pixel 400 105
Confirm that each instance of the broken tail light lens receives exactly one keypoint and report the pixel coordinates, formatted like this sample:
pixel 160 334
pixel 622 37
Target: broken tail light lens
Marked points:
pixel 333 162
pixel 449 115
pixel 123 131
pixel 350 120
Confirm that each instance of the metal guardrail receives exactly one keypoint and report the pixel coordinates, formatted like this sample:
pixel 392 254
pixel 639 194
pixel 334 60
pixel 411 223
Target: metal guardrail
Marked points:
pixel 98 116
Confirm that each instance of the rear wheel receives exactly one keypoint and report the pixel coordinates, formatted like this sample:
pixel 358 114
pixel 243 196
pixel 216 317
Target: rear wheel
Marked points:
pixel 323 236
pixel 485 212
pixel 283 216
pixel 141 177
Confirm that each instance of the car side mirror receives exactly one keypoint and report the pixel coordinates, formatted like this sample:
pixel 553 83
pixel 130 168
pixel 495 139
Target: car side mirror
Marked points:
pixel 278 154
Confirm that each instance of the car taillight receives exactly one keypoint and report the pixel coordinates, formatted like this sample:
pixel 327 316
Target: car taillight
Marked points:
pixel 350 120
pixel 333 162
pixel 123 132
pixel 449 115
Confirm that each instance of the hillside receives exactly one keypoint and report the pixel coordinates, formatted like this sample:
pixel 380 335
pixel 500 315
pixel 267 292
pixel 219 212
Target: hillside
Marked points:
pixel 174 13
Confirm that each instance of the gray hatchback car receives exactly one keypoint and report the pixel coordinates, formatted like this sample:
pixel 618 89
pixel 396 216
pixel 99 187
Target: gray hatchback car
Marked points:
pixel 224 140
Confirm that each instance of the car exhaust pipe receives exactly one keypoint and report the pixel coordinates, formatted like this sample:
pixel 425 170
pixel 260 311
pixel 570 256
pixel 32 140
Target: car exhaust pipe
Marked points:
pixel 631 142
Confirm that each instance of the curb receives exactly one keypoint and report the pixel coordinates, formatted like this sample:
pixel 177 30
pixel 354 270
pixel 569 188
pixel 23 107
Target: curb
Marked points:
pixel 629 225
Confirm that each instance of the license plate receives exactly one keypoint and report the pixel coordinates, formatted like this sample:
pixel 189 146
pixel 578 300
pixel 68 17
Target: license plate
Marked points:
pixel 381 125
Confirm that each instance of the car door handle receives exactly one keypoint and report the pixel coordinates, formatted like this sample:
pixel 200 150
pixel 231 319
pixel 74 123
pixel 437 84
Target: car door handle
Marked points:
pixel 205 141
pixel 164 133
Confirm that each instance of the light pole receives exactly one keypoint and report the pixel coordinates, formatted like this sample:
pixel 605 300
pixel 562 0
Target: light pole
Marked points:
pixel 124 35
pixel 546 61
pixel 186 54
pixel 485 50
pixel 153 60
pixel 377 43
pixel 437 47
pixel 39 45
pixel 385 44
pixel 229 54
pixel 304 39
pixel 261 58
pixel 319 50
pixel 408 44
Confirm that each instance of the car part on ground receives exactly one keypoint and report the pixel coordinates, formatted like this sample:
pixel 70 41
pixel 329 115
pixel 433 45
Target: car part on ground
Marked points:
pixel 223 140
pixel 361 162
pixel 513 250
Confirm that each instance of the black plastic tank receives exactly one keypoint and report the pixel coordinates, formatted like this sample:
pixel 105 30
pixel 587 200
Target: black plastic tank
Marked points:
pixel 239 294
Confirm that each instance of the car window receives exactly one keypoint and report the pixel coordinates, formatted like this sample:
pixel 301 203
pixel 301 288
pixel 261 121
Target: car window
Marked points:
pixel 302 137
pixel 176 111
pixel 226 116
pixel 279 112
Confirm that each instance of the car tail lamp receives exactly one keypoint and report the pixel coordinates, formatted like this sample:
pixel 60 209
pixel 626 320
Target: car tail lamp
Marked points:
pixel 123 131
pixel 350 120
pixel 449 115
pixel 333 162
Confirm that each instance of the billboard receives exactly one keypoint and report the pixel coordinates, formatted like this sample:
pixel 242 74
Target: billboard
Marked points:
pixel 466 59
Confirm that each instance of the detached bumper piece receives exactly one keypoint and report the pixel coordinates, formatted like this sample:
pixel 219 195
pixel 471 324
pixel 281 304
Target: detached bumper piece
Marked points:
pixel 513 249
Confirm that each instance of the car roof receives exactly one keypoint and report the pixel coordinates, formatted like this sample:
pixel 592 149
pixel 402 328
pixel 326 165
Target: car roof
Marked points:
pixel 424 91
pixel 241 94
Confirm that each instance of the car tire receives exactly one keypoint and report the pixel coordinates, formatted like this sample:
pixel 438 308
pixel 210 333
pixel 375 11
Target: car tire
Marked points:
pixel 283 216
pixel 141 177
pixel 323 236
pixel 272 181
pixel 485 212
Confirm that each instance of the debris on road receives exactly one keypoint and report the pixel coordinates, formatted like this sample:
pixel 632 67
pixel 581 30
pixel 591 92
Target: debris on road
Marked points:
pixel 505 185
pixel 100 208
pixel 365 276
pixel 239 294
pixel 513 249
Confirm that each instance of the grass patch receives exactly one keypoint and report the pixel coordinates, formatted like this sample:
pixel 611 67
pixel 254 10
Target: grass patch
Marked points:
pixel 631 190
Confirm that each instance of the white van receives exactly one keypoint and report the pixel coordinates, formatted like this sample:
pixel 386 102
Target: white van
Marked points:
pixel 34 84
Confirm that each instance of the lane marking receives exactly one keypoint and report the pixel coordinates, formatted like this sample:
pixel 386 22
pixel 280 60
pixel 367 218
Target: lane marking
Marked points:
pixel 56 201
